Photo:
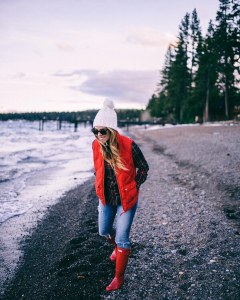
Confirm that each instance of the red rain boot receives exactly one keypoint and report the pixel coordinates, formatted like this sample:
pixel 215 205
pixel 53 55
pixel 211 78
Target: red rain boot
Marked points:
pixel 121 264
pixel 113 256
pixel 111 240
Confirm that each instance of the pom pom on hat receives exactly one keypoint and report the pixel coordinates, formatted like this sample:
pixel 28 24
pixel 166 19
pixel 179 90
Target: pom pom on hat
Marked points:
pixel 108 103
pixel 106 116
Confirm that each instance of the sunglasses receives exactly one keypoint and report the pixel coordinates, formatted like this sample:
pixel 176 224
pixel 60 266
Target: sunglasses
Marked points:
pixel 103 131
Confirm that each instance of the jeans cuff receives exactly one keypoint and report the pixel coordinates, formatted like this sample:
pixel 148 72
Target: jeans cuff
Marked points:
pixel 124 245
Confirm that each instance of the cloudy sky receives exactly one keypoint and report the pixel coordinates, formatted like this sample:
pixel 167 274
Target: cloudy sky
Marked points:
pixel 65 55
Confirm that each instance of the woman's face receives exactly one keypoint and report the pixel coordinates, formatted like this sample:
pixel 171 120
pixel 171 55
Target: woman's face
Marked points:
pixel 102 137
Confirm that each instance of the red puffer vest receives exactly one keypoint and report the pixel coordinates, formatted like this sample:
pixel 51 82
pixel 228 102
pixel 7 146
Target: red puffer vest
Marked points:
pixel 125 179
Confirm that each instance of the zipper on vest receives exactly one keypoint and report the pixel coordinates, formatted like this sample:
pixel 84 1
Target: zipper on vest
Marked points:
pixel 120 195
pixel 103 183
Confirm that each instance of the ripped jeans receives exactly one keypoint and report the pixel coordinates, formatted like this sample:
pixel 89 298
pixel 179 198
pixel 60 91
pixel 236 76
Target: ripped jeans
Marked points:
pixel 106 217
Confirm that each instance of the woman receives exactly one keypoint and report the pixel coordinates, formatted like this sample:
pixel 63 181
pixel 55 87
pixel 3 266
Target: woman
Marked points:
pixel 120 169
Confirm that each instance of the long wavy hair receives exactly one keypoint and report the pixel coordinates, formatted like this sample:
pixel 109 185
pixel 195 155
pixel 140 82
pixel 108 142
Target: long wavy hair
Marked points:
pixel 110 151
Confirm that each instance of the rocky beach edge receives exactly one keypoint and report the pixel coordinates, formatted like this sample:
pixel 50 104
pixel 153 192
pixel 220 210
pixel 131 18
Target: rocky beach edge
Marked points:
pixel 185 236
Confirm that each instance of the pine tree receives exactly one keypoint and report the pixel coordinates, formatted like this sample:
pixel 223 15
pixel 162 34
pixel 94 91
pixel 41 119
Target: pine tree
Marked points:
pixel 161 104
pixel 166 100
pixel 205 92
pixel 235 34
pixel 196 43
pixel 196 50
pixel 153 106
pixel 226 53
pixel 180 74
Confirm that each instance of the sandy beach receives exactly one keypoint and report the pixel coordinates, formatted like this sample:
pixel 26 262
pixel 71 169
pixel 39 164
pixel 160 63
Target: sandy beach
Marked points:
pixel 185 236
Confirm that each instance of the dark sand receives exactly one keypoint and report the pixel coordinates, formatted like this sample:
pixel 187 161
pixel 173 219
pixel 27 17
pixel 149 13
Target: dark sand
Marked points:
pixel 64 258
pixel 185 236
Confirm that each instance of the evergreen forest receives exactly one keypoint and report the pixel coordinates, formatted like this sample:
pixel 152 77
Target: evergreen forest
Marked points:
pixel 199 81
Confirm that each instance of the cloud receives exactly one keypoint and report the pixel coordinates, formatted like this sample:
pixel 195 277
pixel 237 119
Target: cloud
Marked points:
pixel 12 76
pixel 65 47
pixel 123 86
pixel 71 73
pixel 149 37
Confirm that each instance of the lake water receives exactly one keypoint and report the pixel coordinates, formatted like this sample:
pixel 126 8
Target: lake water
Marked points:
pixel 36 168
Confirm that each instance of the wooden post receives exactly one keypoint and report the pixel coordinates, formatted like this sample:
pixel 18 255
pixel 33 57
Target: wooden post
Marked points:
pixel 75 126
pixel 42 123
pixel 59 124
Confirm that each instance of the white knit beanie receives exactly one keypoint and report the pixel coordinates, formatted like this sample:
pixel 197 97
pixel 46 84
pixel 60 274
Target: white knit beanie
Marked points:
pixel 106 116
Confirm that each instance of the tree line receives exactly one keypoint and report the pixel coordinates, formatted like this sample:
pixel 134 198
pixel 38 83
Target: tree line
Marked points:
pixel 124 116
pixel 200 77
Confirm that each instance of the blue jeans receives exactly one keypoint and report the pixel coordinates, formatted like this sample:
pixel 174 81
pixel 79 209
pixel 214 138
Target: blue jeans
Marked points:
pixel 106 217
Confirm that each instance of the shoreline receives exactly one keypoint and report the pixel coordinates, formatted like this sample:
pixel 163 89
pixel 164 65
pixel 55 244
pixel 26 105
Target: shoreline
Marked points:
pixel 184 245
pixel 37 171
pixel 41 193
pixel 58 249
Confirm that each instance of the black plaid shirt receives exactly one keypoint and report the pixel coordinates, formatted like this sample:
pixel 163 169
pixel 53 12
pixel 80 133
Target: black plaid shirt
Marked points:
pixel 110 182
